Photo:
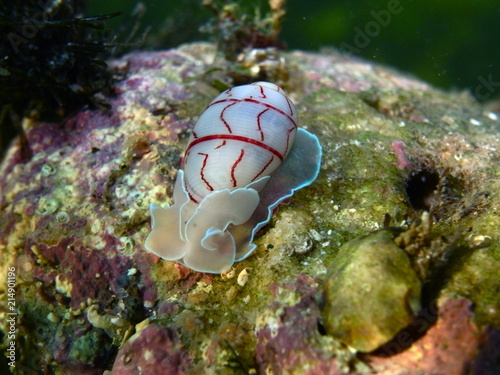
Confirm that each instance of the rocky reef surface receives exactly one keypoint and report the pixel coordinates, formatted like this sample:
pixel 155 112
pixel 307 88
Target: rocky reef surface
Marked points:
pixel 399 157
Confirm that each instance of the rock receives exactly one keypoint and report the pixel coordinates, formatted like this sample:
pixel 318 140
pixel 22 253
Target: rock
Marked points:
pixel 371 292
pixel 75 215
pixel 450 345
pixel 154 350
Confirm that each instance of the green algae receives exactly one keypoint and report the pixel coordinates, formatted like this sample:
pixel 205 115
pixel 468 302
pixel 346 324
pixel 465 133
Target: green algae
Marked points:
pixel 371 292
pixel 87 348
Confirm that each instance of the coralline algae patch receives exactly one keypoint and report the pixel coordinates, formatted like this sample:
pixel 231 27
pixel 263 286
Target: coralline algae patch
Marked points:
pixel 73 264
pixel 141 355
pixel 75 217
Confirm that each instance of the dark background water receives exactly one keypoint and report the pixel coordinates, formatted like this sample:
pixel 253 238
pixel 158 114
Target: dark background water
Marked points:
pixel 453 44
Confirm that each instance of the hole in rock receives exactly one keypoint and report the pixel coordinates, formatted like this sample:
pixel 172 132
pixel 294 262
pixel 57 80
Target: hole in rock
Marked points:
pixel 422 189
pixel 321 329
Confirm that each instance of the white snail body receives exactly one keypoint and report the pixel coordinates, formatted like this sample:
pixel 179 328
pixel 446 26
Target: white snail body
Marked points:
pixel 245 156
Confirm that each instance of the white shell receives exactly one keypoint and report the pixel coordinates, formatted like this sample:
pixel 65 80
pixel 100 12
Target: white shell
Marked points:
pixel 244 134
pixel 241 162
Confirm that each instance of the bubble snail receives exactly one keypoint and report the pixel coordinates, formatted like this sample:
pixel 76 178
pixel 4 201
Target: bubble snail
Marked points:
pixel 245 156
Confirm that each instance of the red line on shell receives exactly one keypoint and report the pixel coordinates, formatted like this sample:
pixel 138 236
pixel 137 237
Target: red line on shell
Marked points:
pixel 288 139
pixel 192 198
pixel 188 188
pixel 254 101
pixel 262 92
pixel 290 106
pixel 258 123
pixel 202 173
pixel 221 116
pixel 233 168
pixel 236 138
pixel 263 169
pixel 222 144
